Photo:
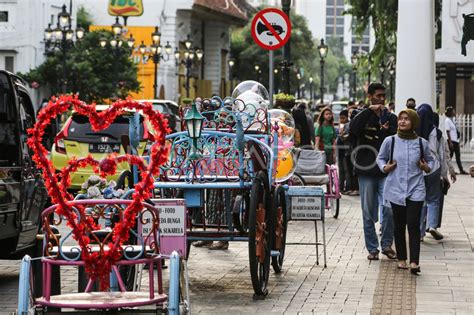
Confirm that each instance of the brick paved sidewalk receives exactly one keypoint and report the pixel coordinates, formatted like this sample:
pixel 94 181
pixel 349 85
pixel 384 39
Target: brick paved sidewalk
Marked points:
pixel 220 280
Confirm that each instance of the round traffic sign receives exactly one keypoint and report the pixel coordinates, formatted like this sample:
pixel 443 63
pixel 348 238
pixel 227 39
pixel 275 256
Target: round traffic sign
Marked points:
pixel 271 28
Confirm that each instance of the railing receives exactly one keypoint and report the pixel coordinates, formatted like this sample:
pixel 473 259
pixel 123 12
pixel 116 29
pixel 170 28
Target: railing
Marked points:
pixel 465 125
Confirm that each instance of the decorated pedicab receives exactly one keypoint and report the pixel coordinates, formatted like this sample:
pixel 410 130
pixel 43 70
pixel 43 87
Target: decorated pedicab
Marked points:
pixel 104 238
pixel 228 165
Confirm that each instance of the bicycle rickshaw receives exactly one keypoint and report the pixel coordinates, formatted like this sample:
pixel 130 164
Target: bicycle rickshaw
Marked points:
pixel 311 169
pixel 225 166
pixel 74 236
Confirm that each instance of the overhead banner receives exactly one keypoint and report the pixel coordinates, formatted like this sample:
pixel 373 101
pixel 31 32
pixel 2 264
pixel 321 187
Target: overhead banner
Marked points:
pixel 125 7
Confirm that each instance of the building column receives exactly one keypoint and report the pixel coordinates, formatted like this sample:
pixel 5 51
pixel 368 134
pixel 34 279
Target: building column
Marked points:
pixel 415 53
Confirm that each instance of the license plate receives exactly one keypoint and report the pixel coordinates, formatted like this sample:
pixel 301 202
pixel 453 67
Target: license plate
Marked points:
pixel 104 148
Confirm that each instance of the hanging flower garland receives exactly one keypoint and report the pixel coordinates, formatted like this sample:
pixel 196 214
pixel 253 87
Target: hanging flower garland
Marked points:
pixel 98 264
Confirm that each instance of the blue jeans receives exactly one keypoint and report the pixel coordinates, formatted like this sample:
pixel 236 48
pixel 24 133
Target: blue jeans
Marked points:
pixel 371 191
pixel 430 210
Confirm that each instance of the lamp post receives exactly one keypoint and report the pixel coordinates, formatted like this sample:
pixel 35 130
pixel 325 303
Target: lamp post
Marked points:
pixel 257 72
pixel 382 71
pixel 116 41
pixel 275 73
pixel 286 62
pixel 323 50
pixel 369 63
pixel 156 55
pixel 194 121
pixel 354 60
pixel 231 63
pixel 311 89
pixel 62 39
pixel 190 55
pixel 298 79
pixel 391 72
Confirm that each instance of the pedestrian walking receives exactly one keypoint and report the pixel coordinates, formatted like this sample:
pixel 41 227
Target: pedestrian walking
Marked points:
pixel 453 137
pixel 343 153
pixel 369 133
pixel 430 211
pixel 326 135
pixel 405 157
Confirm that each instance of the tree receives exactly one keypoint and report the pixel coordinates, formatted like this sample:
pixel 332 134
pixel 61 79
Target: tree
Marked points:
pixel 84 18
pixel 95 73
pixel 382 15
pixel 304 56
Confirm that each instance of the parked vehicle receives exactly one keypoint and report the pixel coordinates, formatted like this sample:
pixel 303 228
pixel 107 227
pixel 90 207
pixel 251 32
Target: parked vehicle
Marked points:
pixel 77 139
pixel 22 192
pixel 337 107
pixel 170 110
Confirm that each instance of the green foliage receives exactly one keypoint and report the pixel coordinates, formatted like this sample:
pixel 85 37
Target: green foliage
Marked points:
pixel 84 18
pixel 95 73
pixel 382 15
pixel 186 100
pixel 284 97
pixel 304 56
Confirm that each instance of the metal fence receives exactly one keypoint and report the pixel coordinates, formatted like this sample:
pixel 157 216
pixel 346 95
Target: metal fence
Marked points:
pixel 465 125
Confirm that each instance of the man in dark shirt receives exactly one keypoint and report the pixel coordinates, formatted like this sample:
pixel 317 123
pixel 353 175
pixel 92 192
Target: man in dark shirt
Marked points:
pixel 369 132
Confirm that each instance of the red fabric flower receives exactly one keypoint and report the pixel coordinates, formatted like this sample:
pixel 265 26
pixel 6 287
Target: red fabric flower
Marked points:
pixel 98 264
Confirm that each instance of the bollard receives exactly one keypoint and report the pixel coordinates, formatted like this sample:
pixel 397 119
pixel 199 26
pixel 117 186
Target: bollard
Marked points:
pixel 24 286
pixel 173 294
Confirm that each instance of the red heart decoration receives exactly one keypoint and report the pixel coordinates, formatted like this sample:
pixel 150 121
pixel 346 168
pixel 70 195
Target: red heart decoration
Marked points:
pixel 98 264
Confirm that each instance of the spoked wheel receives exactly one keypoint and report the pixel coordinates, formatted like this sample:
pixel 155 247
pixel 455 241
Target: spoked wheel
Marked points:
pixel 296 180
pixel 280 224
pixel 260 234
pixel 333 201
pixel 240 212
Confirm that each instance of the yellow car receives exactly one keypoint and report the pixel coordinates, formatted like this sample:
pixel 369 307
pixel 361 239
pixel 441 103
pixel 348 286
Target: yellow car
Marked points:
pixel 78 139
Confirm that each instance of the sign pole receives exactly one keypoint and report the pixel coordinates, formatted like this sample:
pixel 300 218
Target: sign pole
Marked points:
pixel 270 76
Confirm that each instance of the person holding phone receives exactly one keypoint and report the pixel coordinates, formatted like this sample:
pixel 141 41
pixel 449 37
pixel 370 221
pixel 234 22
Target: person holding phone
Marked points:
pixel 405 158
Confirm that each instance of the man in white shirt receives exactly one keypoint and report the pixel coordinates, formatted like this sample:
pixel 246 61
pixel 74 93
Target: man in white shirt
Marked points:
pixel 453 137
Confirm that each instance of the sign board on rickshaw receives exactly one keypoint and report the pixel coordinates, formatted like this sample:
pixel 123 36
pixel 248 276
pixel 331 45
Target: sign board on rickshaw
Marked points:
pixel 172 214
pixel 307 202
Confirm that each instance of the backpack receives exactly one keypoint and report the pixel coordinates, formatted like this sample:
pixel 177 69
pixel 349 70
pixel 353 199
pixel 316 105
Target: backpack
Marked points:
pixel 392 146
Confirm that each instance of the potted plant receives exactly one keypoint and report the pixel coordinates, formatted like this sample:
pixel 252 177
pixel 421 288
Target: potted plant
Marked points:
pixel 284 101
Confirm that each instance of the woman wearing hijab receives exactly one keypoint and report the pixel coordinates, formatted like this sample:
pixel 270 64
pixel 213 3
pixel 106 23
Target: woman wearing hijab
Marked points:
pixel 434 136
pixel 405 157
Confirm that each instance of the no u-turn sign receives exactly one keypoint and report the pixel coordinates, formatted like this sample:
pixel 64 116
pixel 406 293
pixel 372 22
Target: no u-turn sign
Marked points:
pixel 271 28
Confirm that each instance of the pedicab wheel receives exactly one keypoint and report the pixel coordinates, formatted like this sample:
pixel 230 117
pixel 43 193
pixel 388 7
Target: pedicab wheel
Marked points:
pixel 280 223
pixel 334 201
pixel 260 234
pixel 296 180
pixel 125 180
pixel 334 207
pixel 240 212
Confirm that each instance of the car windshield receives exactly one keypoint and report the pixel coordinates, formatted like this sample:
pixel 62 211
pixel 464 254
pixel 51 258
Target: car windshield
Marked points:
pixel 161 108
pixel 337 107
pixel 80 128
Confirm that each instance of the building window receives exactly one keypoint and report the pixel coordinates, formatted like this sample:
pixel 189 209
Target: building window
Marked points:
pixel 3 16
pixel 9 63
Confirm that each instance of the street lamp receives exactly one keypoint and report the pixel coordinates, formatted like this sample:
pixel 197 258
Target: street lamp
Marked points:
pixel 194 121
pixel 190 56
pixel 231 63
pixel 61 39
pixel 354 61
pixel 382 71
pixel 391 72
pixel 156 55
pixel 286 62
pixel 323 50
pixel 298 79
